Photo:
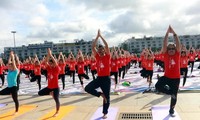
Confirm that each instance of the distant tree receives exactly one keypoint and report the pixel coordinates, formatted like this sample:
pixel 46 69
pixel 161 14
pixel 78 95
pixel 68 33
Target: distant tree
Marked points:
pixel 124 46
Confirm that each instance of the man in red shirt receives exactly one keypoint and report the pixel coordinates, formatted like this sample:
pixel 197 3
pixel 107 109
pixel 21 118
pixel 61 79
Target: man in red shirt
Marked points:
pixel 52 76
pixel 103 57
pixel 169 83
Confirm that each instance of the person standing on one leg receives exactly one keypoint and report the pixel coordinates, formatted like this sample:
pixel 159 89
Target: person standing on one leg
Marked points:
pixel 169 83
pixel 184 64
pixel 103 58
pixel 37 72
pixel 52 77
pixel 62 65
pixel 2 76
pixel 12 81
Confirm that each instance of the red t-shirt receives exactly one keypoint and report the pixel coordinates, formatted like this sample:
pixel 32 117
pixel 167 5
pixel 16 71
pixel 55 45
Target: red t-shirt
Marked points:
pixel 37 69
pixel 72 65
pixel 103 65
pixel 2 67
pixel 80 66
pixel 119 63
pixel 192 57
pixel 114 65
pixel 172 65
pixel 93 65
pixel 62 68
pixel 184 62
pixel 52 76
pixel 149 64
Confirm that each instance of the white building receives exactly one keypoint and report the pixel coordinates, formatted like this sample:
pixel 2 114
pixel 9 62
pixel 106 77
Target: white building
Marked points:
pixel 136 45
pixel 41 49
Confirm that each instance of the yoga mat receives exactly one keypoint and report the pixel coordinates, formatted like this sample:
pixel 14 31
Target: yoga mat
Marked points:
pixel 64 110
pixel 2 105
pixel 161 112
pixel 22 109
pixel 112 113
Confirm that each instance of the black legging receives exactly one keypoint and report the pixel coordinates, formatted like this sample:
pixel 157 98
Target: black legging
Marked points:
pixel 2 78
pixel 13 92
pixel 115 75
pixel 18 81
pixel 93 73
pixel 192 63
pixel 86 69
pixel 185 71
pixel 173 88
pixel 62 77
pixel 38 78
pixel 73 75
pixel 124 71
pixel 82 75
pixel 120 71
pixel 104 83
pixel 46 91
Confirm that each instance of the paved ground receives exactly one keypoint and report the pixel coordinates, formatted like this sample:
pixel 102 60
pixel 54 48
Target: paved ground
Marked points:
pixel 130 100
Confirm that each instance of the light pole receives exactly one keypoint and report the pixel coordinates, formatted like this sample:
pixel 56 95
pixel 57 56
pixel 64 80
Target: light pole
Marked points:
pixel 14 37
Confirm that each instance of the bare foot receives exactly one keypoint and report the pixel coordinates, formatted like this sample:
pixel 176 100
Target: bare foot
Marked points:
pixel 104 98
pixel 56 114
pixel 15 113
pixel 104 116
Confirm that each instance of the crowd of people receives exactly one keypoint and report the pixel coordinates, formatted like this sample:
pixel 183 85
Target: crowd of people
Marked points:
pixel 104 62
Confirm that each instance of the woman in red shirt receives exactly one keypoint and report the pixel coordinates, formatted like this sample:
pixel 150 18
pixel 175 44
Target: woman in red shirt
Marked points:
pixel 169 83
pixel 149 67
pixel 52 76
pixel 184 65
pixel 72 66
pixel 62 64
pixel 114 67
pixel 81 71
pixel 192 56
pixel 37 72
pixel 93 66
pixel 2 67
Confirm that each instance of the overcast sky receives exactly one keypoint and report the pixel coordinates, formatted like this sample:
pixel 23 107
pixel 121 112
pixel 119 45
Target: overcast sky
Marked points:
pixel 55 20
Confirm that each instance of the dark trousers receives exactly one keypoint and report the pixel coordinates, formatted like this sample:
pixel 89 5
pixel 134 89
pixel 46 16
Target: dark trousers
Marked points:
pixel 84 76
pixel 172 90
pixel 120 71
pixel 104 83
pixel 93 73
pixel 2 78
pixel 115 75
pixel 13 92
pixel 38 78
pixel 185 71
pixel 73 75
pixel 46 91
pixel 62 77
pixel 123 71
pixel 192 65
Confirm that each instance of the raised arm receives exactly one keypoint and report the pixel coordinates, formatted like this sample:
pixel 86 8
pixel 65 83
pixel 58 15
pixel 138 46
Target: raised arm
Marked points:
pixel 94 49
pixel 107 50
pixel 164 47
pixel 49 55
pixel 177 41
pixel 12 58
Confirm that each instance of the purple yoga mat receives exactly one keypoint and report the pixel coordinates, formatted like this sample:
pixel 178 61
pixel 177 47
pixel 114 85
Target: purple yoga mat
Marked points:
pixel 2 105
pixel 161 112
pixel 112 113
